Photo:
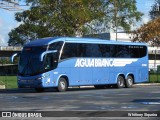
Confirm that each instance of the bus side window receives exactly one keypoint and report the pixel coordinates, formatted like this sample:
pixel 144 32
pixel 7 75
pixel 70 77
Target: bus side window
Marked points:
pixel 69 51
pixel 104 50
pixel 134 51
pixel 142 51
pixel 122 51
pixel 56 46
pixel 51 61
pixel 92 50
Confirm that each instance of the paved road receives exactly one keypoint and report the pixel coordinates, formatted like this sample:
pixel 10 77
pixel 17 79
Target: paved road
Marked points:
pixel 138 98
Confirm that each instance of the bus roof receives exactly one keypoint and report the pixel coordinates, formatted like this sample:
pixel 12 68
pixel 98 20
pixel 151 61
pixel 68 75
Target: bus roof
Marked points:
pixel 46 41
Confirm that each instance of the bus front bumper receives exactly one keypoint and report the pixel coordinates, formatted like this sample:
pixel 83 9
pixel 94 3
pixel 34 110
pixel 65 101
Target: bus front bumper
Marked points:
pixel 28 83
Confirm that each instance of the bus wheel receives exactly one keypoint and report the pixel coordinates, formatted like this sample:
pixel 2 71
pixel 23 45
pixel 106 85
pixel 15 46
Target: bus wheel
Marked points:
pixel 120 82
pixel 39 89
pixel 129 81
pixel 62 85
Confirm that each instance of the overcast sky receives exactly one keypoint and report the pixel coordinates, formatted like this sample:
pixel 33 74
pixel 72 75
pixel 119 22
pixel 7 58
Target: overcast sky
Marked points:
pixel 8 22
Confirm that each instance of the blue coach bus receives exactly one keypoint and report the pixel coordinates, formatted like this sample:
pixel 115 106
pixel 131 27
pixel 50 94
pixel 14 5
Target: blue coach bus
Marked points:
pixel 63 62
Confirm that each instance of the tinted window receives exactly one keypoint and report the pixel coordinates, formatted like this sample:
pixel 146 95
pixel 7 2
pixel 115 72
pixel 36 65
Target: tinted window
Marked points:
pixel 92 50
pixel 29 63
pixel 120 51
pixel 137 51
pixel 134 51
pixel 56 46
pixel 128 51
pixel 51 61
pixel 69 50
pixel 103 50
pixel 83 50
pixel 142 51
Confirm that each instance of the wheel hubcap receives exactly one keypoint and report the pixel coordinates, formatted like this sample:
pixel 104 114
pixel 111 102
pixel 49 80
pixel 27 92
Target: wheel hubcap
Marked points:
pixel 121 82
pixel 130 81
pixel 62 84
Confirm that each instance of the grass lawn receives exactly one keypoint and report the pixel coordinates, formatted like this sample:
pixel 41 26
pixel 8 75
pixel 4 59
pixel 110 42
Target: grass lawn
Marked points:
pixel 9 81
pixel 154 78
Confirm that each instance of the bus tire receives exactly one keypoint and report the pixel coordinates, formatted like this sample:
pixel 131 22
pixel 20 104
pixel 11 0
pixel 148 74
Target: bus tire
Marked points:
pixel 129 81
pixel 62 85
pixel 39 89
pixel 120 82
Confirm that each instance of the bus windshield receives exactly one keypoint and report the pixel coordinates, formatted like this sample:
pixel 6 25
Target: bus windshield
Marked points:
pixel 29 63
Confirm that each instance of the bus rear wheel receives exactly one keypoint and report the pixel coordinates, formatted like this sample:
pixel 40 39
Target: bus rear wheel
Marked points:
pixel 62 85
pixel 120 82
pixel 129 81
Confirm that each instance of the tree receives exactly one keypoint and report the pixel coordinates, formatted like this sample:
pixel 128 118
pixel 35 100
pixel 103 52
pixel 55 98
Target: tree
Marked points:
pixel 155 11
pixel 119 14
pixel 71 17
pixel 150 32
pixel 54 18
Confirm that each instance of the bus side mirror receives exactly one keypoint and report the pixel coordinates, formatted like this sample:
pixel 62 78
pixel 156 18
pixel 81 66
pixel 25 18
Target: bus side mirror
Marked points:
pixel 14 55
pixel 46 52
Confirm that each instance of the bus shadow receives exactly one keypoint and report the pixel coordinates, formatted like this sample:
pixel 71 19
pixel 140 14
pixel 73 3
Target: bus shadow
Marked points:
pixel 90 88
pixel 48 90
pixel 17 90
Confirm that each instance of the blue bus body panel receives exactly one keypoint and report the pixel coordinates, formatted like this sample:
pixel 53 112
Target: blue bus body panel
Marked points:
pixel 47 41
pixel 87 71
pixel 107 74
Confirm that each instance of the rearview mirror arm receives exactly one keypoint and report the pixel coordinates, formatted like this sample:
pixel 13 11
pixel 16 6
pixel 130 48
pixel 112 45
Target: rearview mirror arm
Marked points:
pixel 46 52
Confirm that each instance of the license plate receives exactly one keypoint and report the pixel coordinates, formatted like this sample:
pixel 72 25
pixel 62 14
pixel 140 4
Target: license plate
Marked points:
pixel 29 81
pixel 26 81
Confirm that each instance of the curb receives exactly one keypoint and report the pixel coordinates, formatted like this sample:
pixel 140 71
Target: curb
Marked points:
pixel 138 84
pixel 146 84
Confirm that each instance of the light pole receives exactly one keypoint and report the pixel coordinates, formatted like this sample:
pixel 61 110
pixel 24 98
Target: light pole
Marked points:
pixel 155 57
pixel 115 15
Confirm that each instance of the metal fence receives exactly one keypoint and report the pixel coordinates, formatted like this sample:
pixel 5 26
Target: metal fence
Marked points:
pixel 10 48
pixel 9 70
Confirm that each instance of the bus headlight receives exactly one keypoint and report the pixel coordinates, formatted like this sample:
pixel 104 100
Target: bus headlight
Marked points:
pixel 18 78
pixel 42 77
pixel 39 78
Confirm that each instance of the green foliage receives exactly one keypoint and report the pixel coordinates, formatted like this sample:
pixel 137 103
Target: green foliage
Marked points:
pixel 158 68
pixel 10 82
pixel 119 14
pixel 150 32
pixel 4 60
pixel 154 78
pixel 155 11
pixel 48 18
pixel 7 60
